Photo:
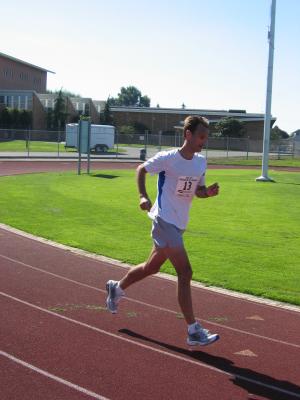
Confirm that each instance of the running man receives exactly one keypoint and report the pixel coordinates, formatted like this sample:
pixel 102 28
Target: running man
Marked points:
pixel 181 177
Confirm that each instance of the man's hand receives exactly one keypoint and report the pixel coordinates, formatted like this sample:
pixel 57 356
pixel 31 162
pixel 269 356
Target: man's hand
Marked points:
pixel 145 204
pixel 212 190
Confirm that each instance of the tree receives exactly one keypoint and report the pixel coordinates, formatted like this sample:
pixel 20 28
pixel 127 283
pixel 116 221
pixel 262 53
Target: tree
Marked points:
pixel 277 134
pixel 50 118
pixel 25 119
pixel 66 93
pixel 127 129
pixel 15 118
pixel 230 127
pixel 106 117
pixel 5 118
pixel 133 128
pixel 130 96
pixel 139 127
pixel 59 111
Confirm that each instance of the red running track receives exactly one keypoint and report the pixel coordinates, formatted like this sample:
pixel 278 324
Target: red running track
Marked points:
pixel 24 167
pixel 59 342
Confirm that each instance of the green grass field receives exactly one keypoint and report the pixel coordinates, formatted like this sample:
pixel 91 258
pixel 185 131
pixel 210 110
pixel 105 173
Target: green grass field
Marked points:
pixel 255 161
pixel 39 146
pixel 246 239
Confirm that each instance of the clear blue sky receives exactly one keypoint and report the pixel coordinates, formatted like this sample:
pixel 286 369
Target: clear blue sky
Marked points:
pixel 207 54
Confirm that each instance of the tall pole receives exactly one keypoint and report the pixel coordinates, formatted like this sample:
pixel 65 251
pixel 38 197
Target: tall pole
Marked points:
pixel 265 161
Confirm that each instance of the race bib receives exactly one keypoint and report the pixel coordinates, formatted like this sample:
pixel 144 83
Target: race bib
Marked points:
pixel 186 186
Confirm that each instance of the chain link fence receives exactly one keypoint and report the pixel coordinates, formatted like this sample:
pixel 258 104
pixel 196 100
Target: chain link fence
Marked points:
pixel 18 143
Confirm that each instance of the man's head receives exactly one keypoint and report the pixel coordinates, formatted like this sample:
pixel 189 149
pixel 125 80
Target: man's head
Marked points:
pixel 195 132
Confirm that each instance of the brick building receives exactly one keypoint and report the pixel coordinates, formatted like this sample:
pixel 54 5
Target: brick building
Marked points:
pixel 24 86
pixel 169 120
pixel 20 82
pixel 16 74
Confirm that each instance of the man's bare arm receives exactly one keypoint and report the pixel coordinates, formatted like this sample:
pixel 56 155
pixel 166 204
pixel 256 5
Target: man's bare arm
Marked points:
pixel 145 202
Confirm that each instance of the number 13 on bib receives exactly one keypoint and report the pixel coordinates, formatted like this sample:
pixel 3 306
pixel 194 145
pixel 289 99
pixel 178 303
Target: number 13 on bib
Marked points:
pixel 186 186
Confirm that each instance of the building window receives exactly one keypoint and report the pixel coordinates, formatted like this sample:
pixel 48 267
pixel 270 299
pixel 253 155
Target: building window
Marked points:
pixel 8 73
pixel 37 81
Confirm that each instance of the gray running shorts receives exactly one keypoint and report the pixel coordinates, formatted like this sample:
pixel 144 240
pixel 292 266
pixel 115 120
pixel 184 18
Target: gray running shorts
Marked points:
pixel 165 234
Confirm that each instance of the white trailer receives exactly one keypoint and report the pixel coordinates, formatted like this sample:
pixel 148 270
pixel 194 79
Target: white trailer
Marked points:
pixel 102 137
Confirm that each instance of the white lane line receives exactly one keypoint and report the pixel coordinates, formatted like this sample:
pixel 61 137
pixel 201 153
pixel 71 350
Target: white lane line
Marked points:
pixel 166 353
pixel 267 303
pixel 151 305
pixel 53 377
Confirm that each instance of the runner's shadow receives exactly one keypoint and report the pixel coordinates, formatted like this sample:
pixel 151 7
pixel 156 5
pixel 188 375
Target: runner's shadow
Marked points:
pixel 105 176
pixel 242 377
pixel 289 183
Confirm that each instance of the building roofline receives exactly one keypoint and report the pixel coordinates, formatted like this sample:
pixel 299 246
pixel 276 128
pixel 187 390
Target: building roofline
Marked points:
pixel 185 111
pixel 240 119
pixel 25 63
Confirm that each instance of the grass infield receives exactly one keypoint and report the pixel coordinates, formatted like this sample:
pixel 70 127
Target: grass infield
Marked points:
pixel 246 239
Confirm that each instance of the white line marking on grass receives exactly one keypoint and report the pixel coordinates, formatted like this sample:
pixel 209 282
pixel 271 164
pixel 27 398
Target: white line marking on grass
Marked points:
pixel 150 305
pixel 222 292
pixel 53 377
pixel 166 353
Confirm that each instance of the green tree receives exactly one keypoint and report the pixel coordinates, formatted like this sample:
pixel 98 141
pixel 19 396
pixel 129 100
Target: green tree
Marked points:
pixel 15 118
pixel 106 117
pixel 139 127
pixel 130 96
pixel 133 128
pixel 25 119
pixel 66 93
pixel 277 133
pixel 5 118
pixel 127 129
pixel 230 127
pixel 50 119
pixel 59 111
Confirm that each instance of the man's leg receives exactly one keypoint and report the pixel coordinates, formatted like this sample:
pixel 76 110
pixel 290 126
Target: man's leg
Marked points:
pixel 180 261
pixel 116 289
pixel 197 335
pixel 151 266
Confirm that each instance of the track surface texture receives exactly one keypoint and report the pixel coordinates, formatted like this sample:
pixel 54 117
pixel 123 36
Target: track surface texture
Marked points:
pixel 59 342
pixel 26 167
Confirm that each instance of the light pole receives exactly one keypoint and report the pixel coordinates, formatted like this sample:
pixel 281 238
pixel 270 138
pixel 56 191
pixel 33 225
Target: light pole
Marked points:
pixel 265 161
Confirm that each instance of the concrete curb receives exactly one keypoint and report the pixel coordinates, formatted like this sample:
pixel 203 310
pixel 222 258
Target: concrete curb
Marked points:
pixel 227 292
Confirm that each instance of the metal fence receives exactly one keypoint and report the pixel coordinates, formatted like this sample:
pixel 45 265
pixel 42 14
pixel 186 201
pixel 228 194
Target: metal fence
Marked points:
pixel 42 144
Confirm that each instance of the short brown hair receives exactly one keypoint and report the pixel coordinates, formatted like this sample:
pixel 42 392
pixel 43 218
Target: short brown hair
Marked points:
pixel 192 121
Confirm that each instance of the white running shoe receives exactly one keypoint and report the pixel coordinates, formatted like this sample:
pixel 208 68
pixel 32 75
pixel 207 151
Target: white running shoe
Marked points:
pixel 114 296
pixel 202 337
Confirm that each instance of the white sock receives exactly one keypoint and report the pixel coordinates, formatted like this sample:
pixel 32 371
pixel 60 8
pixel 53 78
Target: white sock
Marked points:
pixel 120 291
pixel 192 328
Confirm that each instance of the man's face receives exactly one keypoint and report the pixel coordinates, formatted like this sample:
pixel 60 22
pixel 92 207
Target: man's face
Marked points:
pixel 197 139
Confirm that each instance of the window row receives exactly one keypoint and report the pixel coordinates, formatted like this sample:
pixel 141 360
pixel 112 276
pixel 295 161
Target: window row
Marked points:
pixel 19 102
pixel 24 76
